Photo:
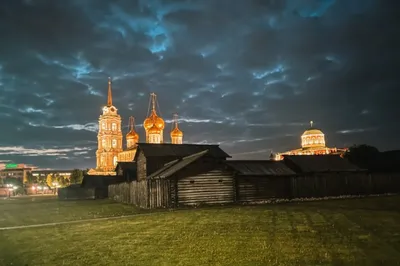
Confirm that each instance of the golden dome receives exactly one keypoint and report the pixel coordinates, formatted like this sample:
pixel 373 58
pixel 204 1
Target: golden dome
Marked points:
pixel 312 138
pixel 312 131
pixel 152 120
pixel 159 122
pixel 148 123
pixel 176 133
pixel 154 130
pixel 132 135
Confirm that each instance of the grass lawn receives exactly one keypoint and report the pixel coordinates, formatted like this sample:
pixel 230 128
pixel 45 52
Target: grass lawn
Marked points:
pixel 47 209
pixel 339 232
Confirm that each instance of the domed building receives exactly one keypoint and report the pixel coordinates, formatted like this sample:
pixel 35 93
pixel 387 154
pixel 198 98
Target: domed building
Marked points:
pixel 312 143
pixel 176 134
pixel 110 139
pixel 153 124
pixel 132 139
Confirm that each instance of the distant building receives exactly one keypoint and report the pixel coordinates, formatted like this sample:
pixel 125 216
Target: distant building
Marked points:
pixel 45 173
pixel 21 171
pixel 110 140
pixel 312 143
pixel 17 171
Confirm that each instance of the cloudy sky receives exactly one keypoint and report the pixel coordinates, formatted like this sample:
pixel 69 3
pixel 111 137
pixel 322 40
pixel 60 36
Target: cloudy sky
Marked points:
pixel 249 75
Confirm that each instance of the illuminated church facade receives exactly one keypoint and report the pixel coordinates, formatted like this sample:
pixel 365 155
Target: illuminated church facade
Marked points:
pixel 312 143
pixel 110 149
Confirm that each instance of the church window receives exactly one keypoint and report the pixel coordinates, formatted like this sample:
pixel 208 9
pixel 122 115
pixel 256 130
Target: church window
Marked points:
pixel 114 143
pixel 114 127
pixel 103 143
pixel 115 160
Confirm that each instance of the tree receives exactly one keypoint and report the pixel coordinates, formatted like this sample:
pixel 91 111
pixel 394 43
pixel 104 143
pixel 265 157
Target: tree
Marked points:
pixel 49 180
pixel 31 179
pixel 62 181
pixel 76 176
pixel 362 155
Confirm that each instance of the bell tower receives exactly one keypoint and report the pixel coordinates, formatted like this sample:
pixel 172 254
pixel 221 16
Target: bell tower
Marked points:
pixel 109 138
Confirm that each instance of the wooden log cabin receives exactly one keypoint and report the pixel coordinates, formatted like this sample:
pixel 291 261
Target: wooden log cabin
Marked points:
pixel 200 178
pixel 260 180
pixel 152 157
pixel 327 175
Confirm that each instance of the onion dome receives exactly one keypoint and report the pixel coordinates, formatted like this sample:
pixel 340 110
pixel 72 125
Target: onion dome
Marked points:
pixel 154 130
pixel 159 122
pixel 154 119
pixel 133 135
pixel 148 123
pixel 176 132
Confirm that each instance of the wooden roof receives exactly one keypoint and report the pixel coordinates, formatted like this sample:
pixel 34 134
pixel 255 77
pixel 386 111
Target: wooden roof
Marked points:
pixel 127 166
pixel 176 165
pixel 179 150
pixel 319 163
pixel 260 167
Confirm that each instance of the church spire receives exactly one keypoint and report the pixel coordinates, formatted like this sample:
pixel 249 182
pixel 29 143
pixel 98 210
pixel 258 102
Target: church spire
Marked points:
pixel 153 101
pixel 131 123
pixel 176 120
pixel 109 98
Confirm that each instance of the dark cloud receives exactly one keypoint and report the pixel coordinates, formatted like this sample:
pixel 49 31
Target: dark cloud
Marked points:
pixel 246 74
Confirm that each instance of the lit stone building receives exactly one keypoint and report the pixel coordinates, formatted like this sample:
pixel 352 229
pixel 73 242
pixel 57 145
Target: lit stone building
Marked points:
pixel 110 140
pixel 312 143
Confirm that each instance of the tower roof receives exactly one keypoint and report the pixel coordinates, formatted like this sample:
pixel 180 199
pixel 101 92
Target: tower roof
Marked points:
pixel 109 95
pixel 153 119
pixel 132 134
pixel 176 132
pixel 312 130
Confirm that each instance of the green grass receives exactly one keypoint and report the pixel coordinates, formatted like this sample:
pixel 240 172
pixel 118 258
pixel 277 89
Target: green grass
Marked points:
pixel 47 209
pixel 338 232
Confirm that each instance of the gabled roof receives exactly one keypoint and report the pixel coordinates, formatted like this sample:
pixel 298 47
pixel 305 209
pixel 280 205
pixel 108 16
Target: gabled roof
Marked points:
pixel 260 167
pixel 320 163
pixel 176 165
pixel 127 166
pixel 179 150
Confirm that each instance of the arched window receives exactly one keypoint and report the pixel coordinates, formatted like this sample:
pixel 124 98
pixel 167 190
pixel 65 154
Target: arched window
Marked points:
pixel 114 143
pixel 114 127
pixel 115 160
pixel 103 125
pixel 103 143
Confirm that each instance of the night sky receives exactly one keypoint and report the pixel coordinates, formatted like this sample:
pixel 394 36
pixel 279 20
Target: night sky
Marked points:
pixel 248 75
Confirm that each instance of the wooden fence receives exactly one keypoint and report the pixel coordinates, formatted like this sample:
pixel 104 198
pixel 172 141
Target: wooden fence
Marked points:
pixel 148 194
pixel 162 193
